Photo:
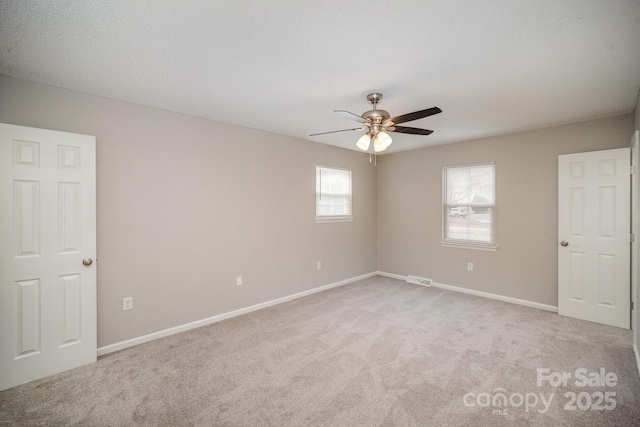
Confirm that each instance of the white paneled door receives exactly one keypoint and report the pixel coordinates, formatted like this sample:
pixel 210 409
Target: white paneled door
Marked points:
pixel 47 253
pixel 594 236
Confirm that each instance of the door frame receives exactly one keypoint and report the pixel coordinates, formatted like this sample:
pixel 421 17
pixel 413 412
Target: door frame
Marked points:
pixel 635 223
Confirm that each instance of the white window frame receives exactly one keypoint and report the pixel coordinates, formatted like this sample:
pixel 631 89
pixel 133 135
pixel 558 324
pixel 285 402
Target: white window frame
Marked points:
pixel 466 243
pixel 320 191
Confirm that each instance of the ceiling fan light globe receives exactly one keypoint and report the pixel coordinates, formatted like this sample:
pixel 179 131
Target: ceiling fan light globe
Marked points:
pixel 363 142
pixel 383 139
pixel 377 147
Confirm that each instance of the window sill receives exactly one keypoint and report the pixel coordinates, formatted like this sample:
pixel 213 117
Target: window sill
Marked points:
pixel 346 218
pixel 492 247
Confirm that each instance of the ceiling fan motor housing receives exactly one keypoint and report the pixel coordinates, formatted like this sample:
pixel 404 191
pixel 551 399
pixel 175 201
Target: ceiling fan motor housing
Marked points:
pixel 376 116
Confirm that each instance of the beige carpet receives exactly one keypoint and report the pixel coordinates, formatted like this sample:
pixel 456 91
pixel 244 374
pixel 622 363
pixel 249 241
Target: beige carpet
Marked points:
pixel 375 352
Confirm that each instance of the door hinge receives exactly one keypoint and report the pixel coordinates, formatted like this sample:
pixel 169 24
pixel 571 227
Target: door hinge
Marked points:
pixel 632 305
pixel 633 169
pixel 632 237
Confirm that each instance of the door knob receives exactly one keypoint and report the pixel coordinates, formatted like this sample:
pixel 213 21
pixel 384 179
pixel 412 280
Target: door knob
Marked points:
pixel 87 261
pixel 564 243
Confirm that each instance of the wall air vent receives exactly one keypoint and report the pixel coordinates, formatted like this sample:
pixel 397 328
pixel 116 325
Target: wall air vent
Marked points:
pixel 419 280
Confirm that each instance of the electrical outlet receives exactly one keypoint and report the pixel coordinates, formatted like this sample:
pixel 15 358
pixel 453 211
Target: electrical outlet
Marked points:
pixel 239 281
pixel 470 266
pixel 127 303
pixel 319 265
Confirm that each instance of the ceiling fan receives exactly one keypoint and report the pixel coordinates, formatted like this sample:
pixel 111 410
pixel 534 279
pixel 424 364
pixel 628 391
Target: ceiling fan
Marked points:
pixel 378 122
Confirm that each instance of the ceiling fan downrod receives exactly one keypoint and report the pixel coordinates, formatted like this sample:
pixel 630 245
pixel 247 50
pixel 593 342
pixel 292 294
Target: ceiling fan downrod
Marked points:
pixel 375 116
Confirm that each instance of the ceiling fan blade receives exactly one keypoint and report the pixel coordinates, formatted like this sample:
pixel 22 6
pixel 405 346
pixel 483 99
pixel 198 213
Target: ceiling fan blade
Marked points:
pixel 351 116
pixel 413 131
pixel 334 131
pixel 415 115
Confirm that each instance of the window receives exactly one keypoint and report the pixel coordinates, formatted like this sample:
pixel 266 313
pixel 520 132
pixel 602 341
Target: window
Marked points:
pixel 469 206
pixel 333 194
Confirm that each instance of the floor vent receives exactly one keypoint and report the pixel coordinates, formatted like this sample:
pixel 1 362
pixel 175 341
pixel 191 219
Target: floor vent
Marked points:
pixel 419 280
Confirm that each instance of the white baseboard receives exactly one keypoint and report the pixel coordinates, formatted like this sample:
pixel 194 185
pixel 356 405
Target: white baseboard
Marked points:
pixel 393 276
pixel 198 323
pixel 635 350
pixel 480 294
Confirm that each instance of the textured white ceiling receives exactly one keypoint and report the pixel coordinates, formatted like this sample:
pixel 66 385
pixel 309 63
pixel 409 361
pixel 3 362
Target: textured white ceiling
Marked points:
pixel 494 66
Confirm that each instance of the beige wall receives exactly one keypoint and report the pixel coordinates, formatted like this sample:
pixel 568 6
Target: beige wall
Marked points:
pixel 525 264
pixel 185 205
